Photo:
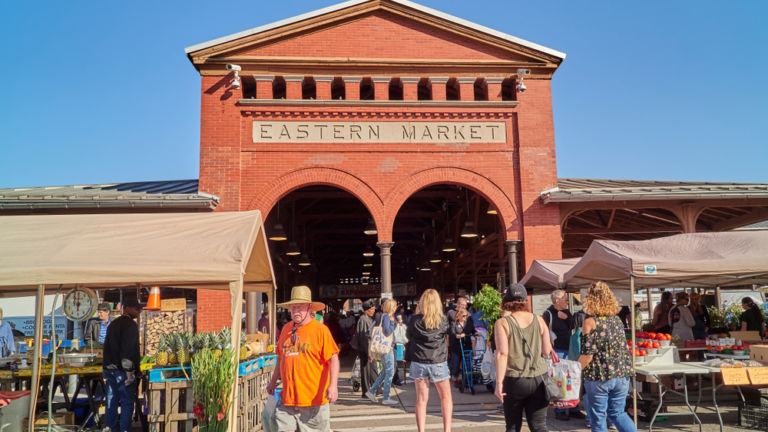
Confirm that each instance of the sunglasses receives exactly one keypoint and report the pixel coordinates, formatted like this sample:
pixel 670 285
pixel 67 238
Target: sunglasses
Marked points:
pixel 293 336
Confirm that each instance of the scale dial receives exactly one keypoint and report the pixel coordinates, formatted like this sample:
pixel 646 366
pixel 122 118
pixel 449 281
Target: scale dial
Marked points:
pixel 80 304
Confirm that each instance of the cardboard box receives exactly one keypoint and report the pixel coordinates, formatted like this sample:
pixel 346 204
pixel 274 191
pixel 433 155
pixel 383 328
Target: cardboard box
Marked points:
pixel 759 353
pixel 63 418
pixel 746 336
pixel 173 305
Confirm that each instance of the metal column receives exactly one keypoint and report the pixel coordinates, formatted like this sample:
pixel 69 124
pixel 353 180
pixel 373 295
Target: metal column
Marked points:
pixel 386 268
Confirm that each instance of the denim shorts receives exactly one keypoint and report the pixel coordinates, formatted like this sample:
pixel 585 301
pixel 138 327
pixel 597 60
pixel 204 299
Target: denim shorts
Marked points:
pixel 435 372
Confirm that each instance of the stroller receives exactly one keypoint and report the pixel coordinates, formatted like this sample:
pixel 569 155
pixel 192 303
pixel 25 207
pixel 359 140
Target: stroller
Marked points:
pixel 355 378
pixel 471 365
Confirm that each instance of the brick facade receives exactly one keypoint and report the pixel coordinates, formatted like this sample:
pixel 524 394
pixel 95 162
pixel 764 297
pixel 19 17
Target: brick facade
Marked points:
pixel 248 175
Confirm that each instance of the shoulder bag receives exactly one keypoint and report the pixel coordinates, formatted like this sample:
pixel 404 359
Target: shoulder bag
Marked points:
pixel 378 343
pixel 551 390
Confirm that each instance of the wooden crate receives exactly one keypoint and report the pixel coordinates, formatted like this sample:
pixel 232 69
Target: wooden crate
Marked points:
pixel 170 406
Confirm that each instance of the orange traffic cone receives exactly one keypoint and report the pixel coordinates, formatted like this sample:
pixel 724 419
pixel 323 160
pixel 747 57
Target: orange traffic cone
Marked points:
pixel 154 299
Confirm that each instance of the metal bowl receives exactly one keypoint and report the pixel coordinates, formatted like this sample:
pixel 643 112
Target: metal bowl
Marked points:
pixel 76 359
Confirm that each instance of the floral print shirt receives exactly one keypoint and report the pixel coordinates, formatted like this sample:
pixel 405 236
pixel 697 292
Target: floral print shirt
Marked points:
pixel 608 346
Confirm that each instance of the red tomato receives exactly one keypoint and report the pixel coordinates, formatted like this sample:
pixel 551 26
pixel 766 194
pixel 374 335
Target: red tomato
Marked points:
pixel 656 345
pixel 651 335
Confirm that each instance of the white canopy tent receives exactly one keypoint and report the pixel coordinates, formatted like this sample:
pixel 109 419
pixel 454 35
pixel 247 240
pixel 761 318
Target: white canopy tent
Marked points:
pixel 547 275
pixel 683 260
pixel 220 251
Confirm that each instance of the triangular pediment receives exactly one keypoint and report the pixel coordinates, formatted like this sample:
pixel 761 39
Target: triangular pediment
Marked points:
pixel 384 32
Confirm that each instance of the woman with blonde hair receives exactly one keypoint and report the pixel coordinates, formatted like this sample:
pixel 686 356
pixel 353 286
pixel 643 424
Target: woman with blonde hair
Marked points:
pixel 387 323
pixel 428 353
pixel 605 360
pixel 522 343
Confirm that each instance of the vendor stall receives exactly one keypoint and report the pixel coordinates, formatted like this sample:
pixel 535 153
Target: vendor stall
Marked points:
pixel 684 260
pixel 218 251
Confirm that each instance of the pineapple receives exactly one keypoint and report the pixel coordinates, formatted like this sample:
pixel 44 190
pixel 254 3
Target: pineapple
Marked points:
pixel 162 351
pixel 172 348
pixel 182 353
pixel 243 349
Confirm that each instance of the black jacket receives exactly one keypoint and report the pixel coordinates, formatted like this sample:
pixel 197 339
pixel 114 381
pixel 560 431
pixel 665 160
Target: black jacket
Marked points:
pixel 121 345
pixel 427 345
pixel 468 330
pixel 561 327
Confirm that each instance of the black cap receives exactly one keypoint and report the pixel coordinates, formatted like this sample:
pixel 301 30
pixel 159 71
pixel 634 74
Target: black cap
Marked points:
pixel 515 293
pixel 132 302
pixel 104 306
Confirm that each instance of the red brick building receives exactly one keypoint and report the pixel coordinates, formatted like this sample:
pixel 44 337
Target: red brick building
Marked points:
pixel 382 99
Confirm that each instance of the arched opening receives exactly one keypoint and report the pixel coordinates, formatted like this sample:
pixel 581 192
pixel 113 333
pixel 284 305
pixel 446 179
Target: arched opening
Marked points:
pixel 249 86
pixel 278 88
pixel 434 245
pixel 508 92
pixel 338 90
pixel 424 89
pixel 325 245
pixel 308 88
pixel 395 89
pixel 366 89
pixel 452 90
pixel 481 89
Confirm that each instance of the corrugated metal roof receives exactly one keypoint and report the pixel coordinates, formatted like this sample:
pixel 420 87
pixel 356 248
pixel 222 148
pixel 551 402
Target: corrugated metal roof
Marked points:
pixel 161 194
pixel 573 189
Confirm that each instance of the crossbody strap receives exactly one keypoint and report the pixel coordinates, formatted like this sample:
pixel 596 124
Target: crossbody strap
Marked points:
pixel 527 355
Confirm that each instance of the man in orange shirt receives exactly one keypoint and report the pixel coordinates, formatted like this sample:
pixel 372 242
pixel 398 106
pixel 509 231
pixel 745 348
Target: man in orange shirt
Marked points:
pixel 308 364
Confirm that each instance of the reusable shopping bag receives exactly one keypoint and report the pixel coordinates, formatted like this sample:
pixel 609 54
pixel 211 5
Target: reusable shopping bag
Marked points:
pixel 566 375
pixel 379 344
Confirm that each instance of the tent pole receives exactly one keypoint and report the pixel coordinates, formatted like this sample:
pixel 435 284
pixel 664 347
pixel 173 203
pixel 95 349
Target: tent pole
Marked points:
pixel 236 295
pixel 718 298
pixel 251 312
pixel 35 383
pixel 632 327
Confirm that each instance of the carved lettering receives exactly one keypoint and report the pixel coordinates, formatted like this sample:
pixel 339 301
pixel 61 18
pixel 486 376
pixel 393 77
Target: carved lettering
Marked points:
pixel 423 132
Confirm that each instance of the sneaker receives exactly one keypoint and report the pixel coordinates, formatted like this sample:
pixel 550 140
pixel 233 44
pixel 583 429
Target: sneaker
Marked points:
pixel 371 396
pixel 562 416
pixel 587 424
pixel 612 426
pixel 389 402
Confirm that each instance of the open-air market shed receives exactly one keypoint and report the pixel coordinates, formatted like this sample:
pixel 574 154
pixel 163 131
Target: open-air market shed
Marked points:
pixel 220 251
pixel 547 275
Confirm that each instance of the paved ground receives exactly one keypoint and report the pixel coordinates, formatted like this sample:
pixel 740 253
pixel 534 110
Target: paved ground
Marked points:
pixel 473 412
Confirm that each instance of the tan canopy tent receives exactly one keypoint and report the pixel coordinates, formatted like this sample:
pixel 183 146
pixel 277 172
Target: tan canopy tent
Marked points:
pixel 683 260
pixel 547 275
pixel 222 250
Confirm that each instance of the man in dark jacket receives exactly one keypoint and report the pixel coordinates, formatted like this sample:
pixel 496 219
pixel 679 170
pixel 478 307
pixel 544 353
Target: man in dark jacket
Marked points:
pixel 121 366
pixel 561 323
pixel 360 343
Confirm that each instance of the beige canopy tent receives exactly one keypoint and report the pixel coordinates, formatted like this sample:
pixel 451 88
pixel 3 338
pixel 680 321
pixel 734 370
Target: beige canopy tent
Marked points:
pixel 547 275
pixel 222 250
pixel 683 260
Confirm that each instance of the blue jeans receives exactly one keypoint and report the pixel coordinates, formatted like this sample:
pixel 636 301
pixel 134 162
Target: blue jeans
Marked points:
pixel 609 398
pixel 563 354
pixel 119 394
pixel 385 377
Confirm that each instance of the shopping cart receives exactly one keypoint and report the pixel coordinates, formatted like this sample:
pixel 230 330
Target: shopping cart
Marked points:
pixel 471 362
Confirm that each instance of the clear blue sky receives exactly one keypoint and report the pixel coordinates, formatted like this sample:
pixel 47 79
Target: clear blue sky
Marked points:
pixel 102 91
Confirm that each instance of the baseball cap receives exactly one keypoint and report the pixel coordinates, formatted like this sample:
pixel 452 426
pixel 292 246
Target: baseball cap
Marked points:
pixel 132 302
pixel 515 292
pixel 104 306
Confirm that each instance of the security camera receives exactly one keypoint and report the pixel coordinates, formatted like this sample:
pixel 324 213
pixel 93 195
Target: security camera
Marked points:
pixel 234 67
pixel 522 72
pixel 521 87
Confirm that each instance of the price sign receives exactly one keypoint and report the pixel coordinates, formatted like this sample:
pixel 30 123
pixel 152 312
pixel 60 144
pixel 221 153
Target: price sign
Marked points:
pixel 758 375
pixel 734 376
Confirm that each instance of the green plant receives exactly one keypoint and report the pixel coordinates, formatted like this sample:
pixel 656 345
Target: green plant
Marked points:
pixel 212 380
pixel 488 301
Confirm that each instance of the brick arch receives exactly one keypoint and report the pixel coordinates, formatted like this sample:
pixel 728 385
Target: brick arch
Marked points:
pixel 297 179
pixel 457 176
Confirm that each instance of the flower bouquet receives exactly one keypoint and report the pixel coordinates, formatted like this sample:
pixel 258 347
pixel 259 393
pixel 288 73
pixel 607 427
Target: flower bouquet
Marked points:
pixel 213 375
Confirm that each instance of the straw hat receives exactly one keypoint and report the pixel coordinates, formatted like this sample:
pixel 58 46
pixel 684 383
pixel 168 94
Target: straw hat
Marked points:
pixel 302 295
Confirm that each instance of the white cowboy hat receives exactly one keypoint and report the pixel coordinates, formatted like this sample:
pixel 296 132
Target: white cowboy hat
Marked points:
pixel 302 295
